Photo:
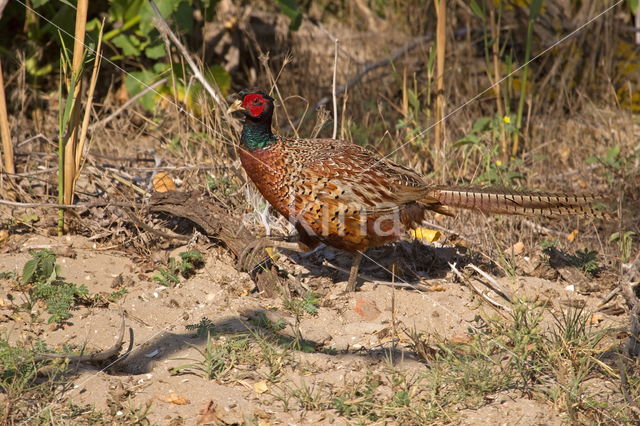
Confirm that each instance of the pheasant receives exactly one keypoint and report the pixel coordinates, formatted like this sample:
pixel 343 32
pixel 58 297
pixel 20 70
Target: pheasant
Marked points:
pixel 347 197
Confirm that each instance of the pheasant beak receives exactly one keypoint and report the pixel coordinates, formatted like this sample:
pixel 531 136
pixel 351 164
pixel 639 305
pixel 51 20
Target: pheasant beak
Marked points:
pixel 236 106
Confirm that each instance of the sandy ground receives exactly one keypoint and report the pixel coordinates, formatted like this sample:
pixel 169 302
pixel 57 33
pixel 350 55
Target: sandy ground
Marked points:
pixel 354 329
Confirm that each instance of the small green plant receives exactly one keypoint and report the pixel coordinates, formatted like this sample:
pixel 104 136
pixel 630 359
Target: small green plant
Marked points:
pixel 573 350
pixel 586 260
pixel 298 307
pixel 40 281
pixel 625 243
pixel 117 295
pixel 203 328
pixel 616 164
pixel 484 138
pixel 222 185
pixel 189 262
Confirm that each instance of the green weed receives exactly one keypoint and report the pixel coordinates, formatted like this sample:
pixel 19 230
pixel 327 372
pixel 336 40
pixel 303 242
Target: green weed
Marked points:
pixel 41 281
pixel 586 260
pixel 189 262
pixel 203 328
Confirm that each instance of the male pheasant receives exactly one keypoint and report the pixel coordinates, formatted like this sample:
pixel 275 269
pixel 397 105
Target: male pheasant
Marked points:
pixel 350 198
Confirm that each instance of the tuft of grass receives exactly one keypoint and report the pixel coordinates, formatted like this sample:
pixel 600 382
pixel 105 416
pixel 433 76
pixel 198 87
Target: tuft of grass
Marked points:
pixel 218 357
pixel 27 387
pixel 221 357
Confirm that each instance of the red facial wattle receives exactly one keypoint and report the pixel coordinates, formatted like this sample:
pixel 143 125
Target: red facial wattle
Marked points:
pixel 254 103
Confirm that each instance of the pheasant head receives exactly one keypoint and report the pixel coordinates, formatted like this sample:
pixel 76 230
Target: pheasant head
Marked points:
pixel 257 108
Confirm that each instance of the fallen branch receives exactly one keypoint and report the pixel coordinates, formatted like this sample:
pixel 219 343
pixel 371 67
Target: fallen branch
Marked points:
pixel 496 287
pixel 215 222
pixel 485 296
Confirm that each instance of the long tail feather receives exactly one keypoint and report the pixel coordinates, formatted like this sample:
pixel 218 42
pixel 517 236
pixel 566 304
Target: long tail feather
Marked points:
pixel 515 202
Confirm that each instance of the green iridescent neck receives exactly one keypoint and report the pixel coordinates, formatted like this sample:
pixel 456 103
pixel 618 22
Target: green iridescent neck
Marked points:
pixel 257 135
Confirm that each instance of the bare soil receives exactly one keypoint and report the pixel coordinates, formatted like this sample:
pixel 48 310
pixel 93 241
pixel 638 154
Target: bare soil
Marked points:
pixel 355 332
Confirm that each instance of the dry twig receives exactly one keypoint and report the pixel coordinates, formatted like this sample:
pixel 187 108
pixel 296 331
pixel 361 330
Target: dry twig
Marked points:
pixel 485 296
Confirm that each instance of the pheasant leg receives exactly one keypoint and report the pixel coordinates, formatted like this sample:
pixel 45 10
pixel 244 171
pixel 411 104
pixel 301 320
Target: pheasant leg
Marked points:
pixel 353 274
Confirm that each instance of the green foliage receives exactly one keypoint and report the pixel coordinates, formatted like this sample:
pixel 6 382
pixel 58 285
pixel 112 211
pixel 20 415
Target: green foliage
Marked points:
pixel 616 163
pixel 308 304
pixel 291 9
pixel 487 129
pixel 189 262
pixel 586 260
pixel 130 36
pixel 22 383
pixel 483 138
pixel 41 268
pixel 40 281
pixel 222 185
pixel 117 295
pixel 59 297
pixel 203 328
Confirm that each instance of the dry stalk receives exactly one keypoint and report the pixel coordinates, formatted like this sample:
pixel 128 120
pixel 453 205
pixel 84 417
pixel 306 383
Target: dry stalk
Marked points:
pixel 5 131
pixel 79 157
pixel 495 53
pixel 441 40
pixel 333 91
pixel 72 141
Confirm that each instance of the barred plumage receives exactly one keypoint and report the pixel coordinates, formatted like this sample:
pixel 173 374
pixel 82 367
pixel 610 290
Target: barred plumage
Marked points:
pixel 348 197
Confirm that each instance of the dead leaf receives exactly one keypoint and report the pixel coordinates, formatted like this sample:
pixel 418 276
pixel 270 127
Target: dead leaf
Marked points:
pixel 516 249
pixel 264 423
pixel 208 414
pixel 437 287
pixel 4 235
pixel 176 399
pixel 460 339
pixel 425 235
pixel 572 235
pixel 272 253
pixel 260 387
pixel 596 318
pixel 122 94
pixel 162 182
